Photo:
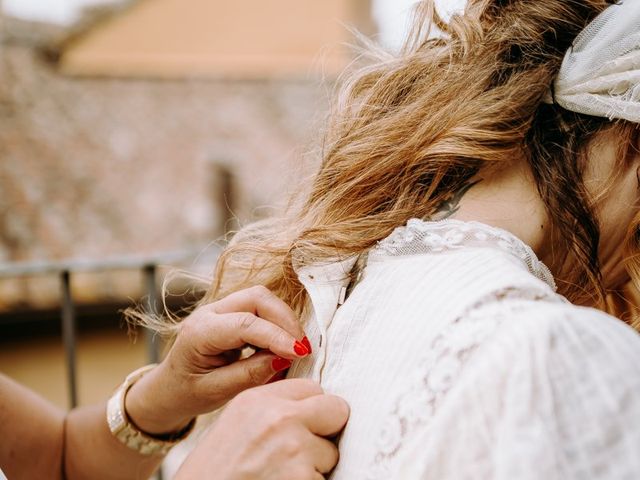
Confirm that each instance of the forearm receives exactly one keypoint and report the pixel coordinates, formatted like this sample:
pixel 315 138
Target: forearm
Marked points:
pixel 37 439
pixel 32 434
pixel 91 451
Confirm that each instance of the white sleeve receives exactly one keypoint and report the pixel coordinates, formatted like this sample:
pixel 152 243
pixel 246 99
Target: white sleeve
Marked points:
pixel 552 394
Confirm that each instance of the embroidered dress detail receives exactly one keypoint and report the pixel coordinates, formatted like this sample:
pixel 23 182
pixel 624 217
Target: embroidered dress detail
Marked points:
pixel 437 372
pixel 459 361
pixel 420 236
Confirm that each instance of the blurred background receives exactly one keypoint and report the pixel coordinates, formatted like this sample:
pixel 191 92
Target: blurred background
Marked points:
pixel 133 135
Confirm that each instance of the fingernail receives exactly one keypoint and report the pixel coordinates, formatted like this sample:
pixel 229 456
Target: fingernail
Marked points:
pixel 307 343
pixel 280 364
pixel 300 349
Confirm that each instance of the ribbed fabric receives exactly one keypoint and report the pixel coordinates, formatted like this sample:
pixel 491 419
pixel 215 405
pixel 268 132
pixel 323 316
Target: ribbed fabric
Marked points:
pixel 460 362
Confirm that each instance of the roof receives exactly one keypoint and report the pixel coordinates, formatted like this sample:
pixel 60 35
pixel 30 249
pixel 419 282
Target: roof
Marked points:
pixel 216 38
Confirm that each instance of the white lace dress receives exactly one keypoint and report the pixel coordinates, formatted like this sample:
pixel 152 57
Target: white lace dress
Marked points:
pixel 459 361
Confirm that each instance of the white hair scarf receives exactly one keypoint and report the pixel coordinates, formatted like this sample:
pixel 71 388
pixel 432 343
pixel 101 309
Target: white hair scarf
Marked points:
pixel 600 74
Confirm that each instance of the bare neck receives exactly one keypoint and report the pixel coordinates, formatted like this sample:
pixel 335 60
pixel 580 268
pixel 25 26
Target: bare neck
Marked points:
pixel 509 200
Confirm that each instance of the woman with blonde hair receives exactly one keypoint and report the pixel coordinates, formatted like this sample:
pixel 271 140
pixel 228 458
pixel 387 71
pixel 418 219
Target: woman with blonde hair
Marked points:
pixel 478 198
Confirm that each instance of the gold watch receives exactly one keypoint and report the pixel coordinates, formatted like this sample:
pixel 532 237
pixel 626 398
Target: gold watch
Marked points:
pixel 128 433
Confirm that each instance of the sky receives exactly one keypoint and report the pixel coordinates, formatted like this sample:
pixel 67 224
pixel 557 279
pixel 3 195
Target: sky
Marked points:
pixel 391 15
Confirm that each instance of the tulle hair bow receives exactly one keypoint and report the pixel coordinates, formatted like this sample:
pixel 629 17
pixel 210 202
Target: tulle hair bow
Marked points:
pixel 600 74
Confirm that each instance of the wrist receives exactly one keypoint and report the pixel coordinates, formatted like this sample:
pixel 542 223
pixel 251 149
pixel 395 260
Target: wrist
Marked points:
pixel 150 408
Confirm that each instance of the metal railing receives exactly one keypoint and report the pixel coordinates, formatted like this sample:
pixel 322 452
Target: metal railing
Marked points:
pixel 147 265
pixel 224 197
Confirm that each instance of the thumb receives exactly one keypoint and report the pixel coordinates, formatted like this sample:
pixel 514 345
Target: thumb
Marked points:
pixel 250 372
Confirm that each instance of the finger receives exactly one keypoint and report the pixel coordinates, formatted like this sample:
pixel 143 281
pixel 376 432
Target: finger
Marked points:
pixel 230 331
pixel 265 304
pixel 237 377
pixel 231 356
pixel 294 389
pixel 324 415
pixel 325 454
pixel 278 377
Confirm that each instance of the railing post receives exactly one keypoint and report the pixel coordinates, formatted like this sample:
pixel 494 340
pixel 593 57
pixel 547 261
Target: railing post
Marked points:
pixel 153 344
pixel 149 273
pixel 224 196
pixel 69 335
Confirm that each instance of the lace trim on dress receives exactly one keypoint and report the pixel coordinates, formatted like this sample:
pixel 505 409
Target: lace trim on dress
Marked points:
pixel 438 370
pixel 420 236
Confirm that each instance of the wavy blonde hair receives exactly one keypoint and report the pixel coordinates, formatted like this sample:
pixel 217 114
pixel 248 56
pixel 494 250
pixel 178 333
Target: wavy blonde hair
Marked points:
pixel 408 131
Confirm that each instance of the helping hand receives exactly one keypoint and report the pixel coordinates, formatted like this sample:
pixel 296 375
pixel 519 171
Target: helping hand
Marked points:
pixel 202 371
pixel 272 432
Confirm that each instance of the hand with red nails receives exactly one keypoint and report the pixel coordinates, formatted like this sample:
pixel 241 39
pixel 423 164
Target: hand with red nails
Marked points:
pixel 267 432
pixel 272 432
pixel 203 370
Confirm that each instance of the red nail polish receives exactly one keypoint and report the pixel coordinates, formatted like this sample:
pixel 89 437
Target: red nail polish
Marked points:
pixel 280 364
pixel 300 349
pixel 307 343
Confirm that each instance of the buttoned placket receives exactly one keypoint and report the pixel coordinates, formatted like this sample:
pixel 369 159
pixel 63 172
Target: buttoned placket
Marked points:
pixel 325 285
